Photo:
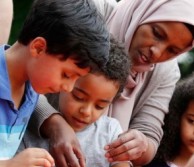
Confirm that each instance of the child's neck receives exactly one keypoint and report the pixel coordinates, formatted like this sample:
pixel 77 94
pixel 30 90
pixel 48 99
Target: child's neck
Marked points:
pixel 16 71
pixel 182 158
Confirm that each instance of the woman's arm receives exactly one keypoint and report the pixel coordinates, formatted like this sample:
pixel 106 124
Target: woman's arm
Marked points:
pixel 64 145
pixel 152 106
pixel 6 15
pixel 139 144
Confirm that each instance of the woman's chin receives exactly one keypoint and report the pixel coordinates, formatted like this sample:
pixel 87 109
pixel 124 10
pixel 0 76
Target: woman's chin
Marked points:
pixel 142 68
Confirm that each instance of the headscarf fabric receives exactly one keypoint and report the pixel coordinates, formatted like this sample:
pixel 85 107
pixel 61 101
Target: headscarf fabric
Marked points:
pixel 122 24
pixel 129 14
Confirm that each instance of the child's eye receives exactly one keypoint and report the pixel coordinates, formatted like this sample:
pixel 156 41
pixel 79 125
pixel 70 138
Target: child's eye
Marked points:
pixel 98 107
pixel 78 98
pixel 191 121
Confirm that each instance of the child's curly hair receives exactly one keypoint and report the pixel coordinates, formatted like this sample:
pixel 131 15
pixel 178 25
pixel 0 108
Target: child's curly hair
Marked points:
pixel 171 141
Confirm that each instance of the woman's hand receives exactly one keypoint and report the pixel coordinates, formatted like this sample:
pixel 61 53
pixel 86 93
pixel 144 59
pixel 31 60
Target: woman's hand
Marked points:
pixel 129 146
pixel 64 146
pixel 30 157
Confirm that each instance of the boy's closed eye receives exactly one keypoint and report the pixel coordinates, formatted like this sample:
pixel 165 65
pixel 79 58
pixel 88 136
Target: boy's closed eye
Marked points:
pixel 64 75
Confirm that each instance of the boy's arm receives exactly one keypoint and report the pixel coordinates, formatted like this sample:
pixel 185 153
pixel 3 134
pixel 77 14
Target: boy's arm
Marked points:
pixel 64 148
pixel 29 157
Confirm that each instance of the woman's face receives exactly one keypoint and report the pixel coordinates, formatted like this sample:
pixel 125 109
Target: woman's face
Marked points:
pixel 157 42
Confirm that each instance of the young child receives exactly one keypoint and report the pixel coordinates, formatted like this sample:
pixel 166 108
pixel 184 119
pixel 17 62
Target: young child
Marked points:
pixel 59 42
pixel 177 145
pixel 85 106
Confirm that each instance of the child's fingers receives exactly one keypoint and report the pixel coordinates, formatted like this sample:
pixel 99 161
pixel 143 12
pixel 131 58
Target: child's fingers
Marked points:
pixel 43 162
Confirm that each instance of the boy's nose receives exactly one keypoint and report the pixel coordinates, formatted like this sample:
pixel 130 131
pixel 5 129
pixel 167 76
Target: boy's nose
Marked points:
pixel 68 85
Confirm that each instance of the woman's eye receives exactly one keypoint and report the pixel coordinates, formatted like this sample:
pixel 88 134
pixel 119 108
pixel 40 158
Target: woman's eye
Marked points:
pixel 173 51
pixel 157 34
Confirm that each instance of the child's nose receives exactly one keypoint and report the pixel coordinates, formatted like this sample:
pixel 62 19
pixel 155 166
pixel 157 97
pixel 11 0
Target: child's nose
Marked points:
pixel 86 110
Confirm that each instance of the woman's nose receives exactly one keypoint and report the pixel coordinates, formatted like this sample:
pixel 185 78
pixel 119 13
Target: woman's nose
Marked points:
pixel 157 52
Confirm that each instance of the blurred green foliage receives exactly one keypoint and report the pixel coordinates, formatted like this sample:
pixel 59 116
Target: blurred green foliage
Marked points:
pixel 21 8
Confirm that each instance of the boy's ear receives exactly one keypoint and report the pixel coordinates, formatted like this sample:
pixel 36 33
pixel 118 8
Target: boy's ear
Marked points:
pixel 38 46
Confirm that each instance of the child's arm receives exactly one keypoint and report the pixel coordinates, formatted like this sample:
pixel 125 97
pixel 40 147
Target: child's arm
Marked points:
pixel 30 157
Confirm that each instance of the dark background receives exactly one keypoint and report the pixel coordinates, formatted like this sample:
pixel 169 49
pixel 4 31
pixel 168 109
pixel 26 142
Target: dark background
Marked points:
pixel 21 8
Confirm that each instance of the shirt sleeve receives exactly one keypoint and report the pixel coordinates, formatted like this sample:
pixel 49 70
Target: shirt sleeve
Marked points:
pixel 42 111
pixel 153 102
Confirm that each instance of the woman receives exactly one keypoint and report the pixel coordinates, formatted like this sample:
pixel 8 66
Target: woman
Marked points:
pixel 153 32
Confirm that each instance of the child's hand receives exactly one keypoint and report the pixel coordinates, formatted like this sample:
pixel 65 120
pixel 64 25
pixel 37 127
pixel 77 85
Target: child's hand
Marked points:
pixel 32 157
pixel 129 146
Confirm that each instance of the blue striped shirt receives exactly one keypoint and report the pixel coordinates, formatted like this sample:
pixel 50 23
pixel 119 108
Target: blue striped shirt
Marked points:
pixel 13 121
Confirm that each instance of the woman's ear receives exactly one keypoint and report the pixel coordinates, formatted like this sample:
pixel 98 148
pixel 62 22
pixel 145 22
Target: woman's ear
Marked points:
pixel 38 46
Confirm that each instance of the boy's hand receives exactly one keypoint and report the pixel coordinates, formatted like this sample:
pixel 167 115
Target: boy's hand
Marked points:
pixel 64 146
pixel 129 146
pixel 30 157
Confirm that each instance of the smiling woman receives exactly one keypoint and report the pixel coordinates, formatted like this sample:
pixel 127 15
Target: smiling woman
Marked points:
pixel 157 42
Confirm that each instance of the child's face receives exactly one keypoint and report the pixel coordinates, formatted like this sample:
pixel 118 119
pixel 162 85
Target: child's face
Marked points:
pixel 187 130
pixel 50 74
pixel 89 99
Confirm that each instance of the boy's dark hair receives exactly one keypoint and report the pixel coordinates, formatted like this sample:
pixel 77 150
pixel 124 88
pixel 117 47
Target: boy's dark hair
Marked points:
pixel 117 70
pixel 118 66
pixel 70 27
pixel 171 141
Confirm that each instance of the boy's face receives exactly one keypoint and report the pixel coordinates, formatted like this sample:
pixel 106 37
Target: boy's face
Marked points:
pixel 50 74
pixel 89 99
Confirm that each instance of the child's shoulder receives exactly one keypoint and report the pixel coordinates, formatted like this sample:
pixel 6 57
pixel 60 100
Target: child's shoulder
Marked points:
pixel 108 123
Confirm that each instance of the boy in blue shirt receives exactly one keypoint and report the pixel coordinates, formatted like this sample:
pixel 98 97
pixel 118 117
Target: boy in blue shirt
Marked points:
pixel 59 42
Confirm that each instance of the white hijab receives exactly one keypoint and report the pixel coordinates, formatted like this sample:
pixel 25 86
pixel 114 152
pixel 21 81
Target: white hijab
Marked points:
pixel 122 24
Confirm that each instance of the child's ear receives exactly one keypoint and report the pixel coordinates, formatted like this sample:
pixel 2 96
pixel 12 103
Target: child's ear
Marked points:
pixel 38 46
